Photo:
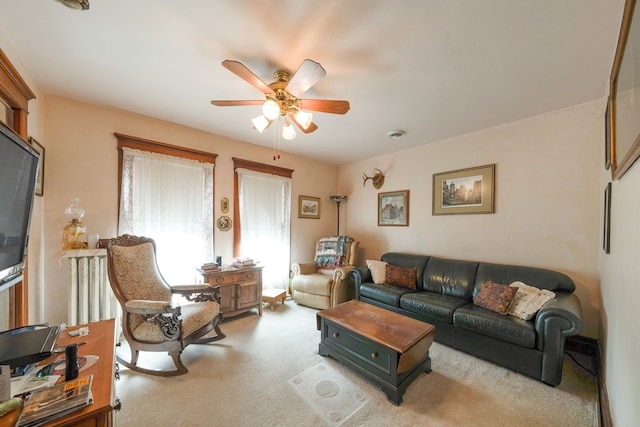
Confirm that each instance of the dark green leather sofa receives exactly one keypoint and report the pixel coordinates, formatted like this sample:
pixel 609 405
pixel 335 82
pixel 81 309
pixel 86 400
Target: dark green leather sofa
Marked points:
pixel 444 297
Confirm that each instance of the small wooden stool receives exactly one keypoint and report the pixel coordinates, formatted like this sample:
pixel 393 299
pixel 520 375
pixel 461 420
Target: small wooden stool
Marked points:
pixel 273 295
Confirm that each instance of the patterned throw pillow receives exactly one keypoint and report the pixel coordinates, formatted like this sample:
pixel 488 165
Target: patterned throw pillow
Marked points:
pixel 378 270
pixel 495 297
pixel 401 277
pixel 529 300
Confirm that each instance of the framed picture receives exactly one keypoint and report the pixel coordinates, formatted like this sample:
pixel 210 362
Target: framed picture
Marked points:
pixel 40 178
pixel 308 207
pixel 224 205
pixel 464 191
pixel 393 208
pixel 606 234
pixel 607 136
pixel 224 223
pixel 624 113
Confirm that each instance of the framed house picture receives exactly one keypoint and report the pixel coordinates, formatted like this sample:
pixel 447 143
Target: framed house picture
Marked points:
pixel 393 208
pixel 308 207
pixel 40 178
pixel 464 191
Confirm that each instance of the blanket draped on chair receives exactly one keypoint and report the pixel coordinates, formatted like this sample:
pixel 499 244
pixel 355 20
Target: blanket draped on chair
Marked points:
pixel 332 252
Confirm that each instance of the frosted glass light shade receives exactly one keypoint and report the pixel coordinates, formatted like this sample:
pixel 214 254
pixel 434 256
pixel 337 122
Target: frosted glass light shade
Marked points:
pixel 260 123
pixel 288 132
pixel 304 119
pixel 270 109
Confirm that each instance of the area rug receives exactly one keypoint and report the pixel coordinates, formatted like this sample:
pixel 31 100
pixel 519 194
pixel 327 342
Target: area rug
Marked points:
pixel 329 393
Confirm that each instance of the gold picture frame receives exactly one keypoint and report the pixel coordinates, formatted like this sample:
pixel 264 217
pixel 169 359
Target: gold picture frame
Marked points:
pixel 464 191
pixel 393 208
pixel 624 99
pixel 308 207
pixel 224 223
pixel 40 178
pixel 224 205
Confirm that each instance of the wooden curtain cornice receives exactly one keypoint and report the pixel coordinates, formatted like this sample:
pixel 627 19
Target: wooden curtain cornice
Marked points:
pixel 261 167
pixel 164 148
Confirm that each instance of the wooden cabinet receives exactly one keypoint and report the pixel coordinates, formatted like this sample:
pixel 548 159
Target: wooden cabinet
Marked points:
pixel 240 288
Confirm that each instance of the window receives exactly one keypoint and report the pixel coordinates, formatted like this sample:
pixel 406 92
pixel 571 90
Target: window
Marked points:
pixel 263 216
pixel 169 198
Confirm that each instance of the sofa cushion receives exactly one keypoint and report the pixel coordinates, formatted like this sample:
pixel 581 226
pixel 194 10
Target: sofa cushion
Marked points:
pixel 495 297
pixel 402 277
pixel 432 305
pixel 528 300
pixel 486 322
pixel 385 294
pixel 378 270
pixel 408 261
pixel 450 277
pixel 538 277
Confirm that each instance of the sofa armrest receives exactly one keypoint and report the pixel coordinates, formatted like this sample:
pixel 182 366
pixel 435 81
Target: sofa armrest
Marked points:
pixel 341 285
pixel 303 268
pixel 360 275
pixel 558 319
pixel 566 308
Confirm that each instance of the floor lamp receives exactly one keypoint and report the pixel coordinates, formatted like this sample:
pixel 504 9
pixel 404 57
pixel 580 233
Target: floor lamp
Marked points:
pixel 338 200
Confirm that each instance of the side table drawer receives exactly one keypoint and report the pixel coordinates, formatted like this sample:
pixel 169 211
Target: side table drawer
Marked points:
pixel 360 349
pixel 221 279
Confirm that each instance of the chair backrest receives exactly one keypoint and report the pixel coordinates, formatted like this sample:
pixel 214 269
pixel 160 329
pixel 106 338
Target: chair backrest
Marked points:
pixel 335 251
pixel 133 269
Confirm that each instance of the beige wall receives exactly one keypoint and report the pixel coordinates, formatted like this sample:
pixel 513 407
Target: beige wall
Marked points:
pixel 620 295
pixel 547 198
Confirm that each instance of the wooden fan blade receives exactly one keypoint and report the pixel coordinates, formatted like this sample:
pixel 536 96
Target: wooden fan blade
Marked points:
pixel 324 106
pixel 312 127
pixel 236 103
pixel 308 74
pixel 247 75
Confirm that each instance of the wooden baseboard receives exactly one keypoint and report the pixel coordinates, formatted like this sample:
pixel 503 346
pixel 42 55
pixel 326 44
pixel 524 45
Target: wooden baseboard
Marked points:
pixel 591 347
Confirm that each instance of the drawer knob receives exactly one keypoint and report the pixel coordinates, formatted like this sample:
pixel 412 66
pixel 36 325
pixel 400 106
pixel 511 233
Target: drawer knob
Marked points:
pixel 336 335
pixel 374 355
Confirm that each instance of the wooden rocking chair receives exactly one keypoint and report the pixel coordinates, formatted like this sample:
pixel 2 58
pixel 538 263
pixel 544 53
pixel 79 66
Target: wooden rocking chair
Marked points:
pixel 149 321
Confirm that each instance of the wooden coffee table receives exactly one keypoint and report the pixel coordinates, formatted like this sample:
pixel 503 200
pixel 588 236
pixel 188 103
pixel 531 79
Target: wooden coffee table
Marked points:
pixel 388 348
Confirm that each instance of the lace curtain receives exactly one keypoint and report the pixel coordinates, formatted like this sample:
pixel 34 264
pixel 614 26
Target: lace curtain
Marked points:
pixel 169 199
pixel 264 203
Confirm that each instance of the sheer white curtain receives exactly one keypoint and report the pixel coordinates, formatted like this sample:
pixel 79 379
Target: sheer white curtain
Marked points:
pixel 264 203
pixel 169 199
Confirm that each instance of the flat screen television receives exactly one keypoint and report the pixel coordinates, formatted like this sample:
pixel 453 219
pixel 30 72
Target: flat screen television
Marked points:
pixel 18 171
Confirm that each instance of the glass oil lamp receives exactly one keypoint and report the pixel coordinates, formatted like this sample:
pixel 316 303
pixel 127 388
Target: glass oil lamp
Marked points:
pixel 72 231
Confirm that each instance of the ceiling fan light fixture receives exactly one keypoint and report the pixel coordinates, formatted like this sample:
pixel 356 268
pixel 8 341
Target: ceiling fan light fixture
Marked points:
pixel 76 4
pixel 271 109
pixel 304 119
pixel 288 132
pixel 260 123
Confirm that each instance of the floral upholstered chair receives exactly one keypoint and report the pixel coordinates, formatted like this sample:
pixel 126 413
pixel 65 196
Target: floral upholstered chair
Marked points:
pixel 149 321
pixel 325 282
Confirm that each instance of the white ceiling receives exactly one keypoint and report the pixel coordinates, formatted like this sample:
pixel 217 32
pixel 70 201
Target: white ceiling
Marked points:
pixel 434 68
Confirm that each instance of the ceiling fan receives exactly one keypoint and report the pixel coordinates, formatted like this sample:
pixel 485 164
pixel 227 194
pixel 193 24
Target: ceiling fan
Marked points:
pixel 282 97
pixel 76 4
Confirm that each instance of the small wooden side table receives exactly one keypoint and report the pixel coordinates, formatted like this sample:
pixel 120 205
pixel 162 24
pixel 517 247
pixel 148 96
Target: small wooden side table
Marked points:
pixel 273 295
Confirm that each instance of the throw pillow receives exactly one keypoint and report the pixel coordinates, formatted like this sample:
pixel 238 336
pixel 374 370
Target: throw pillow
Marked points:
pixel 401 277
pixel 378 270
pixel 529 300
pixel 495 297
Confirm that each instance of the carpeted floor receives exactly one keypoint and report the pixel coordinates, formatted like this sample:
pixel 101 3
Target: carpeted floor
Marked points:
pixel 267 372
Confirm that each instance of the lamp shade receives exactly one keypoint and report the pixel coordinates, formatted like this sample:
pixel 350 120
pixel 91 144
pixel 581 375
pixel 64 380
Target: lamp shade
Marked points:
pixel 288 132
pixel 304 118
pixel 260 123
pixel 270 109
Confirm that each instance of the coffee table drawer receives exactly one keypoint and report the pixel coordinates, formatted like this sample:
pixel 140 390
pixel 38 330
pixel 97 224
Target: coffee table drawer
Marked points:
pixel 360 349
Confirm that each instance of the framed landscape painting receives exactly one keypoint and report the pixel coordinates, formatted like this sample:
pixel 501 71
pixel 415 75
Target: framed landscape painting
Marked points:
pixel 40 178
pixel 464 191
pixel 393 208
pixel 308 207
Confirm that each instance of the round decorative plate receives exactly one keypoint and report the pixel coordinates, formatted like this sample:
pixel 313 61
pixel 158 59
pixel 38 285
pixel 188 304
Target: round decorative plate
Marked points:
pixel 224 223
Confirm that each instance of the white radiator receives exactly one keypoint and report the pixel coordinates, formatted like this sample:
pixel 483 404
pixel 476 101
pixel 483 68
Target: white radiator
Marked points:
pixel 90 295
